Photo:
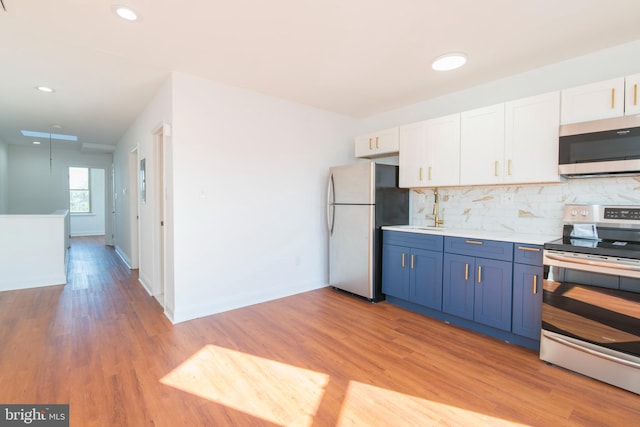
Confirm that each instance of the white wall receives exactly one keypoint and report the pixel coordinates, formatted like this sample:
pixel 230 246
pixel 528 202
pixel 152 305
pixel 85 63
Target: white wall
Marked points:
pixel 249 176
pixel 37 188
pixel 92 224
pixel 4 178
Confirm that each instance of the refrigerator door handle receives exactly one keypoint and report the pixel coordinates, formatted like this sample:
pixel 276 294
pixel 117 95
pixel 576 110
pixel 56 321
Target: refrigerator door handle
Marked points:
pixel 330 207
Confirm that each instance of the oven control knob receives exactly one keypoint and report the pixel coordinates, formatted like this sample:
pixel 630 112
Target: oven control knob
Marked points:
pixel 574 212
pixel 585 213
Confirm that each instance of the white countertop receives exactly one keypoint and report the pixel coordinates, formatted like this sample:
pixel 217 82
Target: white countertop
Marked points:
pixel 504 236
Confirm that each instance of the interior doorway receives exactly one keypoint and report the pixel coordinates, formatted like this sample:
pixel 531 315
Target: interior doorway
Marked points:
pixel 159 204
pixel 134 208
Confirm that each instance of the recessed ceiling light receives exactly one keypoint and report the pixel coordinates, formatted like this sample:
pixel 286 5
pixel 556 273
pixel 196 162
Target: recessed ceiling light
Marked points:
pixel 36 142
pixel 450 61
pixel 45 89
pixel 56 126
pixel 126 13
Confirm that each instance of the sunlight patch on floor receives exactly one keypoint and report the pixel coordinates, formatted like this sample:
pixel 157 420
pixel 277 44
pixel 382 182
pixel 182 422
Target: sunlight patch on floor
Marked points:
pixel 276 392
pixel 367 405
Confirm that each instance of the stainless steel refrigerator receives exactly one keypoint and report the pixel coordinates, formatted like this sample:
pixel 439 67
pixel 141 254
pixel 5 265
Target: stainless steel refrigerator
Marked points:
pixel 360 199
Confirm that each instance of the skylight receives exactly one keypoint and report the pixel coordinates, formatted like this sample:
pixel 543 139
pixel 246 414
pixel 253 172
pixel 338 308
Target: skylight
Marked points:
pixel 48 135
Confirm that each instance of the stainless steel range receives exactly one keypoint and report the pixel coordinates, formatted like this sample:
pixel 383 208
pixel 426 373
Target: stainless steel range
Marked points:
pixel 591 299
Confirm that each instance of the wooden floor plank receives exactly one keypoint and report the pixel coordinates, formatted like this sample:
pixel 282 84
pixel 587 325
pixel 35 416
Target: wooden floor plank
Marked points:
pixel 322 358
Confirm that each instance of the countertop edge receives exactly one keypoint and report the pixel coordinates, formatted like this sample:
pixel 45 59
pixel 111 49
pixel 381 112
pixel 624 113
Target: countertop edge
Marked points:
pixel 503 236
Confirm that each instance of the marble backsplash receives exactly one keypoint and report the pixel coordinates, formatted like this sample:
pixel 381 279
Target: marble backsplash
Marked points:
pixel 531 208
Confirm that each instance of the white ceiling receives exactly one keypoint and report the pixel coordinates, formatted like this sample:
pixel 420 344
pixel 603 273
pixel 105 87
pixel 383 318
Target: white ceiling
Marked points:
pixel 354 57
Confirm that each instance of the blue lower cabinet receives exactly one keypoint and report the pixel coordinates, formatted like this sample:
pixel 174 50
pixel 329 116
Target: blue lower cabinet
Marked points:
pixel 457 288
pixel 425 283
pixel 493 293
pixel 492 287
pixel 478 289
pixel 412 268
pixel 527 300
pixel 395 275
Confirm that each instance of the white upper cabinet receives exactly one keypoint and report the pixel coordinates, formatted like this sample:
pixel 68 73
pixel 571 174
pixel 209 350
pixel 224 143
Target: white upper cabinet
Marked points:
pixel 413 155
pixel 531 139
pixel 443 139
pixel 430 153
pixel 632 97
pixel 594 101
pixel 482 145
pixel 378 144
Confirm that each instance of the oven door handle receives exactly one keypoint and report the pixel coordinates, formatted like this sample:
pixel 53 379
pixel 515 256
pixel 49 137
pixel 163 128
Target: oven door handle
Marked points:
pixel 592 352
pixel 593 263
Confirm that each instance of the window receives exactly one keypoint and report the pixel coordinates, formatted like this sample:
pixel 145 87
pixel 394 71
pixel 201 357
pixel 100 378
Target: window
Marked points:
pixel 79 190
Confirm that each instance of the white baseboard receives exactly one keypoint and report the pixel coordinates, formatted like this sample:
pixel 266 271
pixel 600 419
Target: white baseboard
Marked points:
pixel 207 308
pixel 146 287
pixel 123 257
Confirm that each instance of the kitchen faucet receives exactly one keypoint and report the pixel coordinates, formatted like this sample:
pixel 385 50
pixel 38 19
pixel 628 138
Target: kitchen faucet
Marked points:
pixel 436 209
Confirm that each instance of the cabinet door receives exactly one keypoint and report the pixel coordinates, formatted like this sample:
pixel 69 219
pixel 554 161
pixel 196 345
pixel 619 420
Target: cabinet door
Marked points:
pixel 395 275
pixel 413 150
pixel 527 300
pixel 493 293
pixel 443 155
pixel 426 278
pixel 632 97
pixel 377 144
pixel 531 139
pixel 482 145
pixel 457 285
pixel 594 101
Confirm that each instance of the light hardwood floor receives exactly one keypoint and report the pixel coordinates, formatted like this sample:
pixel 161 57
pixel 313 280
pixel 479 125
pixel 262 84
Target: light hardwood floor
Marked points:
pixel 321 358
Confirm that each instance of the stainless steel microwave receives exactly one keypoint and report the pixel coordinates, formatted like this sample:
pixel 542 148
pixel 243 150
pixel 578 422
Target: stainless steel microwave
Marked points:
pixel 600 147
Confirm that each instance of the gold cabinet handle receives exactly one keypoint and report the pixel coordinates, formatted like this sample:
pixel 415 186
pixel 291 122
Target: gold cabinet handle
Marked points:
pixel 420 174
pixel 613 98
pixel 524 248
pixel 479 274
pixel 377 145
pixel 402 260
pixel 429 173
pixel 635 94
pixel 370 142
pixel 474 242
pixel 509 167
pixel 535 284
pixel 466 272
pixel 412 256
pixel 495 168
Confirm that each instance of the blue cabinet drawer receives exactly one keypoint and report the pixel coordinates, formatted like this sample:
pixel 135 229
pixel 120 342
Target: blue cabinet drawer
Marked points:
pixel 479 248
pixel 430 242
pixel 527 254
